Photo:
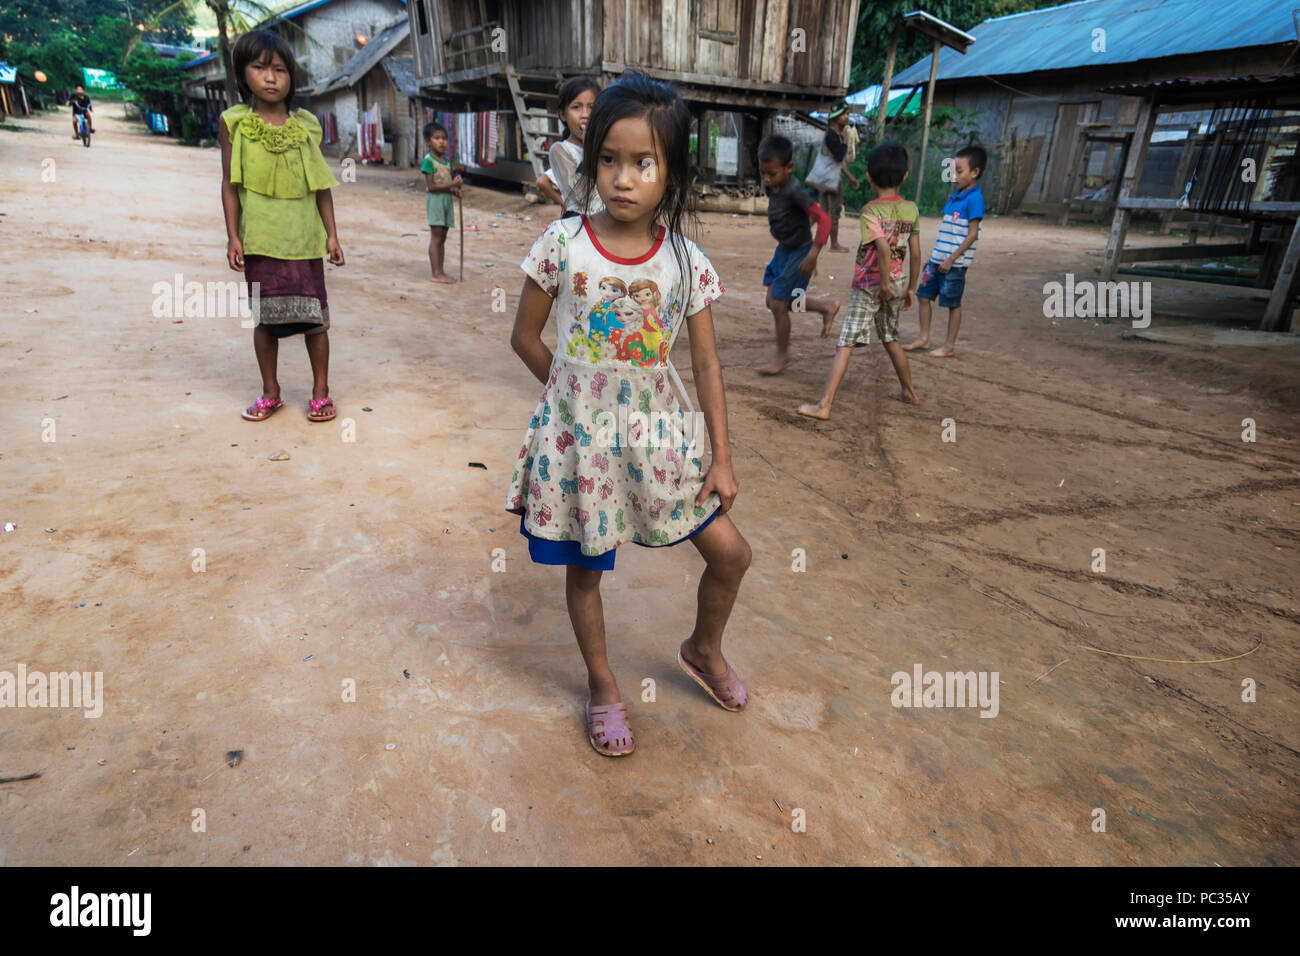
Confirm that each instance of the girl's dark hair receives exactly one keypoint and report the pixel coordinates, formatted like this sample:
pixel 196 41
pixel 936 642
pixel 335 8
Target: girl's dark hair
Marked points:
pixel 636 96
pixel 574 87
pixel 431 128
pixel 250 48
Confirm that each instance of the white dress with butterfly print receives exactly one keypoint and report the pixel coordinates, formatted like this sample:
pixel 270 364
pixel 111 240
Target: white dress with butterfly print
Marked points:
pixel 611 455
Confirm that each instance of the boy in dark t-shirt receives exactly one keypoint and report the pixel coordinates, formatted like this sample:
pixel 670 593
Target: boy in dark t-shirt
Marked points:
pixel 80 104
pixel 786 277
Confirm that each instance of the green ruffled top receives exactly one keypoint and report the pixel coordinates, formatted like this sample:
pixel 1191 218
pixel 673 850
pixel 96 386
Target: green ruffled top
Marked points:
pixel 278 170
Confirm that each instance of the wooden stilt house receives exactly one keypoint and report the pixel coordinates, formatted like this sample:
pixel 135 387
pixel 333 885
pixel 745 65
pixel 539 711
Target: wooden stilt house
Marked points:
pixel 737 63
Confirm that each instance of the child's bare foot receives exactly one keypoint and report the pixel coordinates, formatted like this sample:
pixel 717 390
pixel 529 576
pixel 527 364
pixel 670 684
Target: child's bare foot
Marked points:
pixel 776 366
pixel 829 318
pixel 444 279
pixel 814 411
pixel 946 352
pixel 908 397
pixel 919 345
pixel 838 248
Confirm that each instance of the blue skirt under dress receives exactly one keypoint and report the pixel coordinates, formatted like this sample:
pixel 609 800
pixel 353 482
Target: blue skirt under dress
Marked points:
pixel 544 551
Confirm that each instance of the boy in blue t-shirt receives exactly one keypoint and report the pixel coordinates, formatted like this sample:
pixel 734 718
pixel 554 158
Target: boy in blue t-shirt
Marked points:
pixel 944 276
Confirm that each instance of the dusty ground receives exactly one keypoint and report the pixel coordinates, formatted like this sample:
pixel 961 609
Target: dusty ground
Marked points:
pixel 371 560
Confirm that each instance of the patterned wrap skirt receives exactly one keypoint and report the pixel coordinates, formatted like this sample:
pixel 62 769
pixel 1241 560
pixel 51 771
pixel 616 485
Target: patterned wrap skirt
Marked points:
pixel 291 294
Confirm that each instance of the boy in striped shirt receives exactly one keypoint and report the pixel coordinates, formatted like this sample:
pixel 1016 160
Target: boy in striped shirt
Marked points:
pixel 944 277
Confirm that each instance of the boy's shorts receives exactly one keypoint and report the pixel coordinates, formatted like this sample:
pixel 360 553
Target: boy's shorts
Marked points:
pixel 947 287
pixel 441 210
pixel 831 201
pixel 783 274
pixel 865 309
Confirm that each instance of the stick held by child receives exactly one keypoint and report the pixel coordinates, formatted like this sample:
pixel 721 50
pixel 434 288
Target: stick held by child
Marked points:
pixel 441 183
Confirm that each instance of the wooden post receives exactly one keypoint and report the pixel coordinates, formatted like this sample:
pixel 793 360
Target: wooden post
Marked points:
pixel 1137 156
pixel 883 115
pixel 1078 170
pixel 1277 316
pixel 925 130
pixel 1180 179
pixel 1011 99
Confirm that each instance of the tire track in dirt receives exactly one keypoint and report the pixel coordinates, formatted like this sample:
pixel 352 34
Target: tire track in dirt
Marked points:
pixel 977 519
pixel 1167 688
pixel 1114 442
pixel 1201 599
pixel 1117 416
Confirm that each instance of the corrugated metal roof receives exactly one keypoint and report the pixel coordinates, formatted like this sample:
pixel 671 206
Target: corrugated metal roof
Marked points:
pixel 199 59
pixel 368 57
pixel 1184 88
pixel 401 70
pixel 1059 38
pixel 295 11
pixel 174 50
pixel 299 10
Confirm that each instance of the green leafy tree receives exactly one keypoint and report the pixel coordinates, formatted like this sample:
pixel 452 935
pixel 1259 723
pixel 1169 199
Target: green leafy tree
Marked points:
pixel 152 79
pixel 108 44
pixel 59 56
pixel 163 25
pixel 233 18
pixel 36 22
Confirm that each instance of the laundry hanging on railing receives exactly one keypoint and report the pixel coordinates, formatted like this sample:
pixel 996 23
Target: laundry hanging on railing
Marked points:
pixel 370 135
pixel 472 138
pixel 329 126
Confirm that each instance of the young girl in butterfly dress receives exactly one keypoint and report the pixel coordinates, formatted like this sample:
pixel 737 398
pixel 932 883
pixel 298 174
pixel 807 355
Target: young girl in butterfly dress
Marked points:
pixel 611 457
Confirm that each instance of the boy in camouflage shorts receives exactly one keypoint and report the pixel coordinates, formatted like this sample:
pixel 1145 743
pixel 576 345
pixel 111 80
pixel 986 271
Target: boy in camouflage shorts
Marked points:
pixel 890 233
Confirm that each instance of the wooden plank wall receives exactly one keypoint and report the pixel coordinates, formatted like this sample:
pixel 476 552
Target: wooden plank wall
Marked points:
pixel 556 34
pixel 578 35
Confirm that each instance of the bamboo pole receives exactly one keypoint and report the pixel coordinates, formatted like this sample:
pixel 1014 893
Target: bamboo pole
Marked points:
pixel 925 130
pixel 883 115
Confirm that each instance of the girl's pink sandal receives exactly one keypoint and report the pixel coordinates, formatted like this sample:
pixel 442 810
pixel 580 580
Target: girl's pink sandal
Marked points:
pixel 321 409
pixel 615 736
pixel 262 409
pixel 727 689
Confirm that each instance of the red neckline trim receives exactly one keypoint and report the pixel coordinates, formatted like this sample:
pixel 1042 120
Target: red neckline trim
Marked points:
pixel 886 198
pixel 586 224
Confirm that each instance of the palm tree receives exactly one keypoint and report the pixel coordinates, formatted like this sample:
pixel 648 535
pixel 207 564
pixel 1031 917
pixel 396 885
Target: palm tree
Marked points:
pixel 233 18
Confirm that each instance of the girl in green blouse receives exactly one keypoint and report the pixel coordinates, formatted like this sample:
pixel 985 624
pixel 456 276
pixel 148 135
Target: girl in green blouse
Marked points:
pixel 275 192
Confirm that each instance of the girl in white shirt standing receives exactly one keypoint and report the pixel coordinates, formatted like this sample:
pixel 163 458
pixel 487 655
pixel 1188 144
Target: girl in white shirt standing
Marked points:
pixel 577 96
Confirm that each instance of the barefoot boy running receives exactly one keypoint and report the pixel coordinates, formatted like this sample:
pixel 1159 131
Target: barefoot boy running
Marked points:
pixel 890 231
pixel 442 185
pixel 954 250
pixel 786 277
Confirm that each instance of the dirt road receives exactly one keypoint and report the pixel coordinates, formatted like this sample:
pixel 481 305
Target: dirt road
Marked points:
pixel 370 561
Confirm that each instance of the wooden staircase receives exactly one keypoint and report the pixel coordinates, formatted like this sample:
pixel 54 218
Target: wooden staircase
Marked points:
pixel 536 102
